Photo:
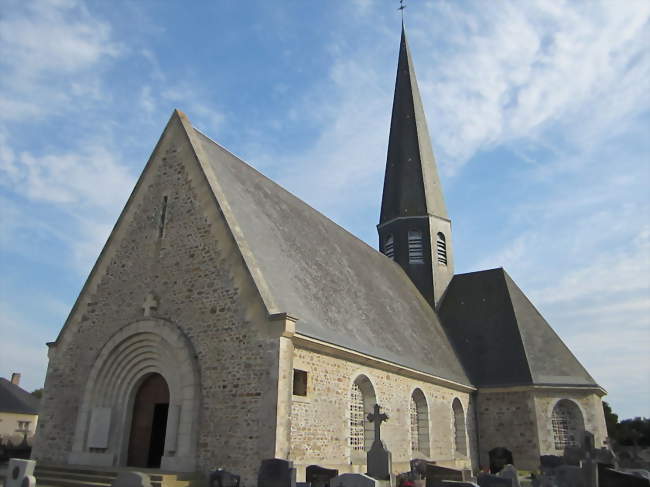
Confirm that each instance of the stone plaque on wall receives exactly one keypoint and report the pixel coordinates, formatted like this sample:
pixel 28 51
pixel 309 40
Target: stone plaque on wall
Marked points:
pixel 100 423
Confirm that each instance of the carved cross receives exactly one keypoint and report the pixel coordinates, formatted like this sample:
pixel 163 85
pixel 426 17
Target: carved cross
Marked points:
pixel 150 303
pixel 377 418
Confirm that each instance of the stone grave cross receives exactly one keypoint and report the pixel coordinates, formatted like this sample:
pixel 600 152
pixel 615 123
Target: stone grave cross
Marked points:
pixel 377 418
pixel 379 459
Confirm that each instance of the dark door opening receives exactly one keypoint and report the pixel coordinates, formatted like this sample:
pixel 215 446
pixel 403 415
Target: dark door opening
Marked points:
pixel 149 423
pixel 158 428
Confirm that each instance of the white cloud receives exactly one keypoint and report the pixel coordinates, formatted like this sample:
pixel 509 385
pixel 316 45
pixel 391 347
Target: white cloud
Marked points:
pixel 510 72
pixel 90 176
pixel 50 52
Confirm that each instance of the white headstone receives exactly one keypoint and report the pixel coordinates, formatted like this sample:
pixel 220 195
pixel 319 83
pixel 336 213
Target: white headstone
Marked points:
pixel 132 479
pixel 20 473
pixel 510 472
pixel 100 424
pixel 353 480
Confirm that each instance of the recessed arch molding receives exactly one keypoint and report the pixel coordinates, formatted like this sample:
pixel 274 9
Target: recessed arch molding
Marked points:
pixel 133 353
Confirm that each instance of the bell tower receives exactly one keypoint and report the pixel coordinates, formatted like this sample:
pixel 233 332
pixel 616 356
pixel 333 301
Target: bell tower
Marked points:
pixel 414 228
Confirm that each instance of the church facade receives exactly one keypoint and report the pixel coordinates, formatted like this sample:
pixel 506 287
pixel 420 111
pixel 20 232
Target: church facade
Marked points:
pixel 226 321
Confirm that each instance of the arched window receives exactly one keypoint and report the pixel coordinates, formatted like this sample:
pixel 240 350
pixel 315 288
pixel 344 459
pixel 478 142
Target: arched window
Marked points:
pixel 416 249
pixel 441 249
pixel 389 247
pixel 568 425
pixel 419 415
pixel 362 400
pixel 460 439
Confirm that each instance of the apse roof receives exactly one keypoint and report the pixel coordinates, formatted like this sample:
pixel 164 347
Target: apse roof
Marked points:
pixel 501 338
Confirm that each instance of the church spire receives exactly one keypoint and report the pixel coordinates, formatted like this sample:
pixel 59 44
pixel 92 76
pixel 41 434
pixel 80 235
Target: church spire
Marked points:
pixel 414 227
pixel 411 184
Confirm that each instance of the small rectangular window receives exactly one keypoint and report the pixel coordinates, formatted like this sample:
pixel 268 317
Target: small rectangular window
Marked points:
pixel 299 382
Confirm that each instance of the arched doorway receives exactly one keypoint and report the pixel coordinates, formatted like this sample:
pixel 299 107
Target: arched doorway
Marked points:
pixel 149 423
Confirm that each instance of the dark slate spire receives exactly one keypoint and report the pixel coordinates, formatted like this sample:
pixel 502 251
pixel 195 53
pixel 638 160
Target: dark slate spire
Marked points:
pixel 414 228
pixel 411 184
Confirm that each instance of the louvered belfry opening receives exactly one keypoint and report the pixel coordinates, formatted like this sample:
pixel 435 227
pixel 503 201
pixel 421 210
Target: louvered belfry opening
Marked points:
pixel 389 247
pixel 441 249
pixel 416 247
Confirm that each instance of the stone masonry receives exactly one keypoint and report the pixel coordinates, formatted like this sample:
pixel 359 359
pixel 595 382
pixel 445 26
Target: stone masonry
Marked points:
pixel 193 270
pixel 320 421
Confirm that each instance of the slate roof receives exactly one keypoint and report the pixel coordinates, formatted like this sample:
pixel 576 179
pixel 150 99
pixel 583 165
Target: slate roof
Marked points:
pixel 501 338
pixel 341 290
pixel 14 399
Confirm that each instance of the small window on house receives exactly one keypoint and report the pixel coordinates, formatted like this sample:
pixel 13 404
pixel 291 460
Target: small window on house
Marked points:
pixel 389 247
pixel 416 249
pixel 23 426
pixel 441 249
pixel 299 382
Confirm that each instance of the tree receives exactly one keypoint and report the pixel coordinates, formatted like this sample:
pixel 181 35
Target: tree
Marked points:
pixel 629 431
pixel 37 393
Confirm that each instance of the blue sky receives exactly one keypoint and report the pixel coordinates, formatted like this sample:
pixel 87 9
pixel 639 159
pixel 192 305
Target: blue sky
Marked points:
pixel 538 113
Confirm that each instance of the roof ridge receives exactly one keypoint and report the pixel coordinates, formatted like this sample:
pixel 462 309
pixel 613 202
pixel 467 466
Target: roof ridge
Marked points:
pixel 504 276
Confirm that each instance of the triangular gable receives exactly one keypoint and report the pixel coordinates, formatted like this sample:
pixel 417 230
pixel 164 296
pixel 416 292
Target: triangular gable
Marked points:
pixel 181 132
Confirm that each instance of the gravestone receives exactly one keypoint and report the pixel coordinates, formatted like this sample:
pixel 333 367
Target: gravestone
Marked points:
pixel 499 458
pixel 510 472
pixel 131 479
pixel 353 480
pixel 379 459
pixel 319 476
pixel 570 476
pixel 609 476
pixel 456 483
pixel 20 473
pixel 550 461
pixel 489 480
pixel 419 468
pixel 435 474
pixel 223 478
pixel 276 472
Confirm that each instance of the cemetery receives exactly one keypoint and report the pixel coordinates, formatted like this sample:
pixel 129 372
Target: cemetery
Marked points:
pixel 580 466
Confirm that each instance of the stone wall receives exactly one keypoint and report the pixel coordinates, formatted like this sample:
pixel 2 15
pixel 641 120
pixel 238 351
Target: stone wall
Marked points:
pixel 320 421
pixel 590 405
pixel 520 420
pixel 201 286
pixel 508 419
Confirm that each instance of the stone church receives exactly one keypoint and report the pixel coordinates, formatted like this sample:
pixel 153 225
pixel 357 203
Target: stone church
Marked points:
pixel 226 321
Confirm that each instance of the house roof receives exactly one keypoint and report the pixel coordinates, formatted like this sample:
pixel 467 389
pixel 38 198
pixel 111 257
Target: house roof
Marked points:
pixel 502 339
pixel 341 290
pixel 14 399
